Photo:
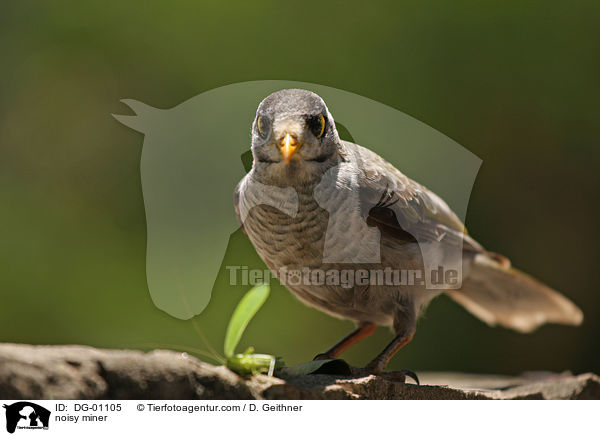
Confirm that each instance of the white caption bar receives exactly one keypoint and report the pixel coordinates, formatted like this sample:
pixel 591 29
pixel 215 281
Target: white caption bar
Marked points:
pixel 299 417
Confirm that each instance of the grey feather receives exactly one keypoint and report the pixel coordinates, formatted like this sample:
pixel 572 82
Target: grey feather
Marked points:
pixel 505 296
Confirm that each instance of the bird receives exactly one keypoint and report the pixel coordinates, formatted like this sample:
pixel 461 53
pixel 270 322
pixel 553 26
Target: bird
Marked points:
pixel 313 205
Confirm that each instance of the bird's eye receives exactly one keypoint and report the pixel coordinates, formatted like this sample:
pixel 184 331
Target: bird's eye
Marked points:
pixel 317 125
pixel 264 126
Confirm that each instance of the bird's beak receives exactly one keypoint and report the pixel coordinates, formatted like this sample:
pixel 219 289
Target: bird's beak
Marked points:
pixel 288 147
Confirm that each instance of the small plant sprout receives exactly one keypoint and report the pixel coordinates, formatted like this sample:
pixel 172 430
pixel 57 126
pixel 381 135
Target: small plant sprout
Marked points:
pixel 248 363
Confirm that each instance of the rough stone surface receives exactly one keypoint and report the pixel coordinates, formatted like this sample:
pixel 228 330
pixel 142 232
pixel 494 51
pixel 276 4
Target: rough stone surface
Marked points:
pixel 79 372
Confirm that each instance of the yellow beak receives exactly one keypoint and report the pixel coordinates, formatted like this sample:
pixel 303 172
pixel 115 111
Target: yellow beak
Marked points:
pixel 288 147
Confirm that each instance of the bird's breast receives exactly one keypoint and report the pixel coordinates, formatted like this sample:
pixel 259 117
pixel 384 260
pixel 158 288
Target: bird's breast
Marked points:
pixel 284 240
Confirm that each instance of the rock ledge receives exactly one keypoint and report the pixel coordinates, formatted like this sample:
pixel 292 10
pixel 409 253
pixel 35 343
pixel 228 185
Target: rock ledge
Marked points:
pixel 79 372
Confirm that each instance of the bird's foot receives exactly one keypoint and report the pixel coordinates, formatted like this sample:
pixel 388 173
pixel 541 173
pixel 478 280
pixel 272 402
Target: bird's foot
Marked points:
pixel 374 368
pixel 393 376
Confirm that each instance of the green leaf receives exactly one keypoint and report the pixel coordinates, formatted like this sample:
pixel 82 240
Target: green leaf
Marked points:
pixel 243 313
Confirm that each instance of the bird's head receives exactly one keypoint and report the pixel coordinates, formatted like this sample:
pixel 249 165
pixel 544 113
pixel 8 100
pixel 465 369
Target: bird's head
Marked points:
pixel 293 136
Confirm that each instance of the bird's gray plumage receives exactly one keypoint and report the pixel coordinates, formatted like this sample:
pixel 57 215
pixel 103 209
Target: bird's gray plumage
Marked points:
pixel 407 216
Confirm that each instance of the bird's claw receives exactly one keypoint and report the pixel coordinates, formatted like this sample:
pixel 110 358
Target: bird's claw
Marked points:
pixel 394 376
pixel 408 373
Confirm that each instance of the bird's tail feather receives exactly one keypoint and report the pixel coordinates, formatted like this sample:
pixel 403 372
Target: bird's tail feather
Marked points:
pixel 500 295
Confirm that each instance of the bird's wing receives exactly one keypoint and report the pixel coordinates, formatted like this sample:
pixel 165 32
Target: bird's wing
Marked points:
pixel 402 208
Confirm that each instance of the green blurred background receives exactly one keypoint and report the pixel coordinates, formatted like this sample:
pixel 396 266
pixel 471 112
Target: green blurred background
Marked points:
pixel 517 83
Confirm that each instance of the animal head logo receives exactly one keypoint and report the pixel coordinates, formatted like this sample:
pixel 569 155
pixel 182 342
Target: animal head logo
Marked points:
pixel 190 165
pixel 26 415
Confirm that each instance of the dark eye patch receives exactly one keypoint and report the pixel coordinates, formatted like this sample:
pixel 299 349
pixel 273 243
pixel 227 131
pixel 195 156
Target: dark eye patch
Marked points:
pixel 317 124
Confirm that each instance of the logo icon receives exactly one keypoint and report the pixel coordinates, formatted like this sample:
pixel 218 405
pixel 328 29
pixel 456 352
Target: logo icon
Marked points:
pixel 26 415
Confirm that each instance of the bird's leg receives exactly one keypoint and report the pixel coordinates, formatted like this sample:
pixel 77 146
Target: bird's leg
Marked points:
pixel 356 336
pixel 380 362
pixel 377 365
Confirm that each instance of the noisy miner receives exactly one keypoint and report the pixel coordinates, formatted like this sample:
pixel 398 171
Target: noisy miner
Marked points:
pixel 319 207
